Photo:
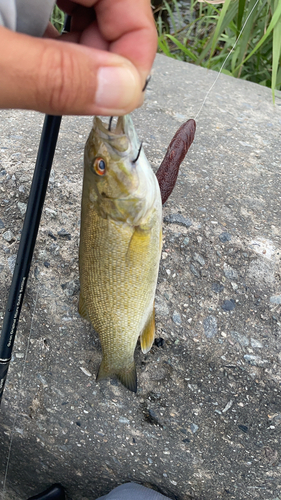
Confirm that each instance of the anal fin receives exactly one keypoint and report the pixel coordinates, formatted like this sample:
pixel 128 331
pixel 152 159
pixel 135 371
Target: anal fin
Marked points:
pixel 148 333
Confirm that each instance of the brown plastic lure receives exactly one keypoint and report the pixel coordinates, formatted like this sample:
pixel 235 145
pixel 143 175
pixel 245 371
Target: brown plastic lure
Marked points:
pixel 168 171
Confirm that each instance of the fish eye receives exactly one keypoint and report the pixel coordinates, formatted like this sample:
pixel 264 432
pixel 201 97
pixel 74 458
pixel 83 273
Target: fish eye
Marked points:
pixel 99 166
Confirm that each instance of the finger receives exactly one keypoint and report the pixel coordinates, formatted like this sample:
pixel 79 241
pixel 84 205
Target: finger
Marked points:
pixel 127 25
pixel 64 78
pixel 91 37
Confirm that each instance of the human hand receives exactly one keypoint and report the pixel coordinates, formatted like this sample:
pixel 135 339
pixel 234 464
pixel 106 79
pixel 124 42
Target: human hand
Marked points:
pixel 99 68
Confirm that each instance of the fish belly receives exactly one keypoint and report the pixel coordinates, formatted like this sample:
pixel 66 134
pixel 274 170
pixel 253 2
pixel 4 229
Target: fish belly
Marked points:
pixel 118 275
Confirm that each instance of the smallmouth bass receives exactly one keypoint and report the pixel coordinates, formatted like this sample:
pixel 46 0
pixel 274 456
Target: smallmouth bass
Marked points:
pixel 120 246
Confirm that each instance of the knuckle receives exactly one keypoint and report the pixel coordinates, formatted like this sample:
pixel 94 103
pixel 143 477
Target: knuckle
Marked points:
pixel 58 81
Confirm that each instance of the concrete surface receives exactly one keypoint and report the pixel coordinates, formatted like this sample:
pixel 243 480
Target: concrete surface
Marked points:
pixel 206 420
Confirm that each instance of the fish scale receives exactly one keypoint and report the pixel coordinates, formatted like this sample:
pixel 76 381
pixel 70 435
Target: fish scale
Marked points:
pixel 119 260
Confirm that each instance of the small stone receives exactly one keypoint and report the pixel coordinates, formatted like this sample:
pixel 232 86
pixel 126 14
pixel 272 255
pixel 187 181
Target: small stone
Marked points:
pixel 8 236
pixel 50 212
pixel 176 318
pixel 185 241
pixel 54 249
pixel 210 326
pixel 194 428
pixel 64 234
pixel 161 307
pixel 229 272
pixel 71 288
pixel 241 339
pixel 275 299
pixel 256 343
pixel 228 305
pixel 255 360
pixel 217 287
pixel 194 271
pixel 47 264
pixel 2 225
pixel 243 428
pixel 52 235
pixel 85 371
pixel 224 237
pixel 178 219
pixel 22 207
pixel 12 262
pixel 227 406
pixel 199 259
pixel 21 188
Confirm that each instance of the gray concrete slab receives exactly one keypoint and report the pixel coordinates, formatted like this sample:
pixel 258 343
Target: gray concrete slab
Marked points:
pixel 206 420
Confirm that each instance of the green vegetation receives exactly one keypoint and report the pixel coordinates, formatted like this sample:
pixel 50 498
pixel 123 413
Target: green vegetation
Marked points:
pixel 242 36
pixel 57 18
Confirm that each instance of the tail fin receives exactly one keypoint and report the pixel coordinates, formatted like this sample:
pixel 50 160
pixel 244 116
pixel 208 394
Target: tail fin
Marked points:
pixel 127 375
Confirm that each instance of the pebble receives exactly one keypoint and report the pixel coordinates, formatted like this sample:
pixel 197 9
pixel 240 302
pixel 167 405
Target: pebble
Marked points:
pixel 1 224
pixel 217 287
pixel 255 360
pixel 50 212
pixel 161 307
pixel 178 219
pixel 243 428
pixel 85 371
pixel 199 259
pixel 275 299
pixel 185 241
pixel 224 237
pixel 256 343
pixel 241 339
pixel 194 428
pixel 12 262
pixel 8 236
pixel 210 326
pixel 22 207
pixel 228 305
pixel 71 288
pixel 229 272
pixel 227 406
pixel 64 234
pixel 194 271
pixel 176 318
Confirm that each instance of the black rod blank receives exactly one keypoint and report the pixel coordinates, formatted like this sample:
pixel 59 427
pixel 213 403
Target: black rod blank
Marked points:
pixel 27 242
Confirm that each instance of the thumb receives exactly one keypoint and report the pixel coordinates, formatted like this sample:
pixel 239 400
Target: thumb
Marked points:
pixel 65 78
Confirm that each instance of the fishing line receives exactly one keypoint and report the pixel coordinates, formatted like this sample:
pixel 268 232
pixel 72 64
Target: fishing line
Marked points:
pixel 18 405
pixel 227 57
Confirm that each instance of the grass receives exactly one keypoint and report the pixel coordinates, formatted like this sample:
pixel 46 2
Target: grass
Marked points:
pixel 242 35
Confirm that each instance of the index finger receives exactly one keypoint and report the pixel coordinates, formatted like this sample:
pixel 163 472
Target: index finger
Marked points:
pixel 128 26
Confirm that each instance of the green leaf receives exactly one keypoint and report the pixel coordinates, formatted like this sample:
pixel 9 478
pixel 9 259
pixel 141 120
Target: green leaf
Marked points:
pixel 184 49
pixel 276 49
pixel 241 9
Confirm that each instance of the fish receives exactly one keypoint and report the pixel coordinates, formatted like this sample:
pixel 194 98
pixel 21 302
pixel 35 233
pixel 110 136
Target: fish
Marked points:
pixel 121 239
pixel 120 246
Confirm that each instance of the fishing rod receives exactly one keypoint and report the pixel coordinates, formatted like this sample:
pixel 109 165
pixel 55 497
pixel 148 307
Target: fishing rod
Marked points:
pixel 34 209
pixel 29 233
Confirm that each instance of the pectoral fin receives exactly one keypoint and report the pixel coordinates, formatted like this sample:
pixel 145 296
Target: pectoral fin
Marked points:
pixel 82 308
pixel 148 334
pixel 139 245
